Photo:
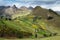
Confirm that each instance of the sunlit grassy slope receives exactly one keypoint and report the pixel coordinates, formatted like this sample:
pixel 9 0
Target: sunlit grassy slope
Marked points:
pixel 26 24
pixel 22 24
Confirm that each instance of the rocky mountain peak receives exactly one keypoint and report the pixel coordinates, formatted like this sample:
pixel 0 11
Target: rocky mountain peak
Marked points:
pixel 14 7
pixel 30 8
pixel 38 7
pixel 23 8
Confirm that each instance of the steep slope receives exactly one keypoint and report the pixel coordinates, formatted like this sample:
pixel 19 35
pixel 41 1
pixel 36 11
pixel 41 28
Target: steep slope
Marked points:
pixel 50 17
pixel 40 21
pixel 22 26
pixel 39 11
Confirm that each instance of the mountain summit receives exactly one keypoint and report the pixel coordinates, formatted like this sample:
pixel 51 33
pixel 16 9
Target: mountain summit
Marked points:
pixel 13 12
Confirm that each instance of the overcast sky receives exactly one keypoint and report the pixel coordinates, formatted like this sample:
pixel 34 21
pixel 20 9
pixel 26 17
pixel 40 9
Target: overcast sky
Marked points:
pixel 52 4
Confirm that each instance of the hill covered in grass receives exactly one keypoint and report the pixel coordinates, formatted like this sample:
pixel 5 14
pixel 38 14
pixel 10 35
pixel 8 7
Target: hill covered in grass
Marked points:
pixel 24 27
pixel 39 22
pixel 51 17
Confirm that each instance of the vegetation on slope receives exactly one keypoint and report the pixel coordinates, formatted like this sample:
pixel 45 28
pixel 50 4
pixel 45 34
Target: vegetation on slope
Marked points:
pixel 40 23
pixel 22 27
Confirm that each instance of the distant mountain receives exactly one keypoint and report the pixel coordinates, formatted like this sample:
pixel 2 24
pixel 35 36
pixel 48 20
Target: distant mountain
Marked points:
pixel 58 12
pixel 23 8
pixel 2 7
pixel 13 12
pixel 30 8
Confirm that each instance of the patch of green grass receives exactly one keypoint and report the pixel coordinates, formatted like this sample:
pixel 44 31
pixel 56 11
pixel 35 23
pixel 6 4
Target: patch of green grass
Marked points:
pixel 25 25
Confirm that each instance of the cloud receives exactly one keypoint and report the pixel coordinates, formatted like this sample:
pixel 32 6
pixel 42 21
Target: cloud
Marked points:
pixel 30 0
pixel 33 2
pixel 55 6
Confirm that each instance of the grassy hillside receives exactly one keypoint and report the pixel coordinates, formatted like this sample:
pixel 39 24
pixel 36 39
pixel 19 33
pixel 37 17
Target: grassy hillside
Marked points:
pixel 50 17
pixel 39 23
pixel 22 26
